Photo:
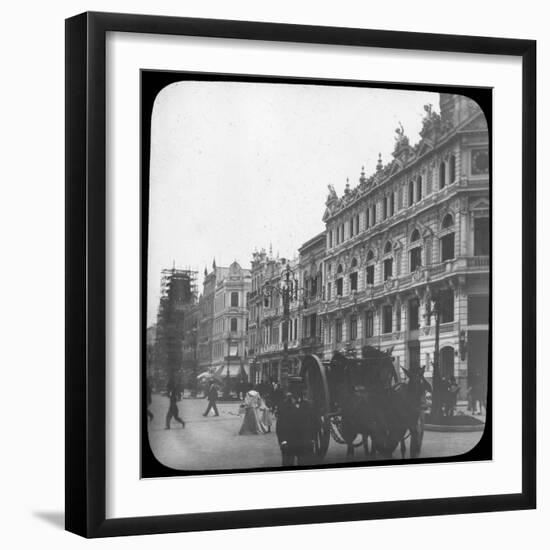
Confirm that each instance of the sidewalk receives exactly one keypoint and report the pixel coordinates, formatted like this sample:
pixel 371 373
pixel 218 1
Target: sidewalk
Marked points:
pixel 462 408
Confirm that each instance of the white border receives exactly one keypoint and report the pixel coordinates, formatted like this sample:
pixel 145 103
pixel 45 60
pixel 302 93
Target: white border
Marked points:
pixel 127 495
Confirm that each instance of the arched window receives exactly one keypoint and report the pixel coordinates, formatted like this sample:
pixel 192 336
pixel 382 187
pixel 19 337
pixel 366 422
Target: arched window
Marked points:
pixel 370 255
pixel 442 175
pixel 447 222
pixel 415 236
pixel 411 193
pixel 340 269
pixel 419 189
pixel 354 262
pixel 387 248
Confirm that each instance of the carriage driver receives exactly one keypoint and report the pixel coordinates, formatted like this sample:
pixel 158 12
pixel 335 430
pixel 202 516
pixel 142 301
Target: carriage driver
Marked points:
pixel 296 426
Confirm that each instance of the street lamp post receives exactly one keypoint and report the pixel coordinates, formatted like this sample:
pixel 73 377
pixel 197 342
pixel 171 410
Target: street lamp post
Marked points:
pixel 288 291
pixel 433 309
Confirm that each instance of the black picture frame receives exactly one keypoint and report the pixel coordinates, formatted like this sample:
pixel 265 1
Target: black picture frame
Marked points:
pixel 86 277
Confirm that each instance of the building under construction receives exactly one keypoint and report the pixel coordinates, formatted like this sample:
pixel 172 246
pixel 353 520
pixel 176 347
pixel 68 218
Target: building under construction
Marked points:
pixel 178 291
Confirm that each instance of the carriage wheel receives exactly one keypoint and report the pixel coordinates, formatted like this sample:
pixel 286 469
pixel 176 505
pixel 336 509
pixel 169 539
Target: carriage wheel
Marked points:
pixel 314 376
pixel 415 452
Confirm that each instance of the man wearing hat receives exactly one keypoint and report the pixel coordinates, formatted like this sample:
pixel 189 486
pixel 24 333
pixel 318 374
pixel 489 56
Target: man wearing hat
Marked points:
pixel 212 396
pixel 296 427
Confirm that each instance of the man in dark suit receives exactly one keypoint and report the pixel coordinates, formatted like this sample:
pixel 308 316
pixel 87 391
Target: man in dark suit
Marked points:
pixel 296 428
pixel 173 411
pixel 212 396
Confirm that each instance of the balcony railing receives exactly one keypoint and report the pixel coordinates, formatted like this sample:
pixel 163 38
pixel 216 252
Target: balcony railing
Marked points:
pixel 422 275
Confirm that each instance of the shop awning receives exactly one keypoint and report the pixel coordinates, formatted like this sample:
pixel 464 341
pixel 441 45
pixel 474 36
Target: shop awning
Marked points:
pixel 235 371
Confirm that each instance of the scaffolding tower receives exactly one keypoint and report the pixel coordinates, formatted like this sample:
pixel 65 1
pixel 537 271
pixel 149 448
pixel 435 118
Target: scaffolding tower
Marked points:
pixel 178 291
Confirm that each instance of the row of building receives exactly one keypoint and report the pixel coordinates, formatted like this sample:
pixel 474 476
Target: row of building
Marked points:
pixel 416 229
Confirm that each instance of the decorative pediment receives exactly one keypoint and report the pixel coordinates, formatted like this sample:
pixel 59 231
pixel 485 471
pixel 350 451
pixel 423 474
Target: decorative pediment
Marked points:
pixel 425 147
pixel 403 154
pixel 395 167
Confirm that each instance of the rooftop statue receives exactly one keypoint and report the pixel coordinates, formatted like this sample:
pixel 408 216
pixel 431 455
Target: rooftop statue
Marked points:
pixel 431 120
pixel 400 138
pixel 332 196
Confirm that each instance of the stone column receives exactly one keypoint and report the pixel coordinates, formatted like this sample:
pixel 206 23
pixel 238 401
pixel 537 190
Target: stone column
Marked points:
pixel 464 234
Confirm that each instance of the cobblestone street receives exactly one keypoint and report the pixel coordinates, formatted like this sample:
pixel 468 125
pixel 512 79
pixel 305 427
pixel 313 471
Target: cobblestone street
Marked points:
pixel 214 442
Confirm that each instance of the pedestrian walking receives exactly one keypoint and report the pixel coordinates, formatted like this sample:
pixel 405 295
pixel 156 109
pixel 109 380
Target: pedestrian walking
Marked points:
pixel 173 411
pixel 212 396
pixel 254 409
pixel 296 429
pixel 275 396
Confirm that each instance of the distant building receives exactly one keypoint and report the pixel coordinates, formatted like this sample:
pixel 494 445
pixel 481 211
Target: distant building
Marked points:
pixel 206 316
pixel 311 268
pixel 230 322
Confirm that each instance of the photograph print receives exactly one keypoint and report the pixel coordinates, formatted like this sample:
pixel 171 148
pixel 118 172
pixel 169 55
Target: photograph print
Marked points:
pixel 316 273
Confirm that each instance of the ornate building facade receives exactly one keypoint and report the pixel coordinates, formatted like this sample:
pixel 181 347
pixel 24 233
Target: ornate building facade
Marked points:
pixel 266 321
pixel 311 266
pixel 229 341
pixel 416 229
pixel 206 315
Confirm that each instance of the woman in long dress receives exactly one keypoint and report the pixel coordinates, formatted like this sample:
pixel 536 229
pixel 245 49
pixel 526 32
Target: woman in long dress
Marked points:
pixel 253 412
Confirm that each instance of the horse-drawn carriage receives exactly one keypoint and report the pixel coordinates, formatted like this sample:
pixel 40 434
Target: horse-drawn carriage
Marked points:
pixel 363 397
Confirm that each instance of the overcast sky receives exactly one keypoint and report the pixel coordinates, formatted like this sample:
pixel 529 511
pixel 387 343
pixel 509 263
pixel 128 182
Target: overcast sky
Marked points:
pixel 239 166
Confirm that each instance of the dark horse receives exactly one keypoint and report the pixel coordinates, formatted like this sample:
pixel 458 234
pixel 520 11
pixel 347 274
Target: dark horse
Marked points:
pixel 371 406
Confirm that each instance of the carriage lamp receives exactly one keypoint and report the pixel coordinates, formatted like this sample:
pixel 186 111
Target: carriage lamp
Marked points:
pixel 462 345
